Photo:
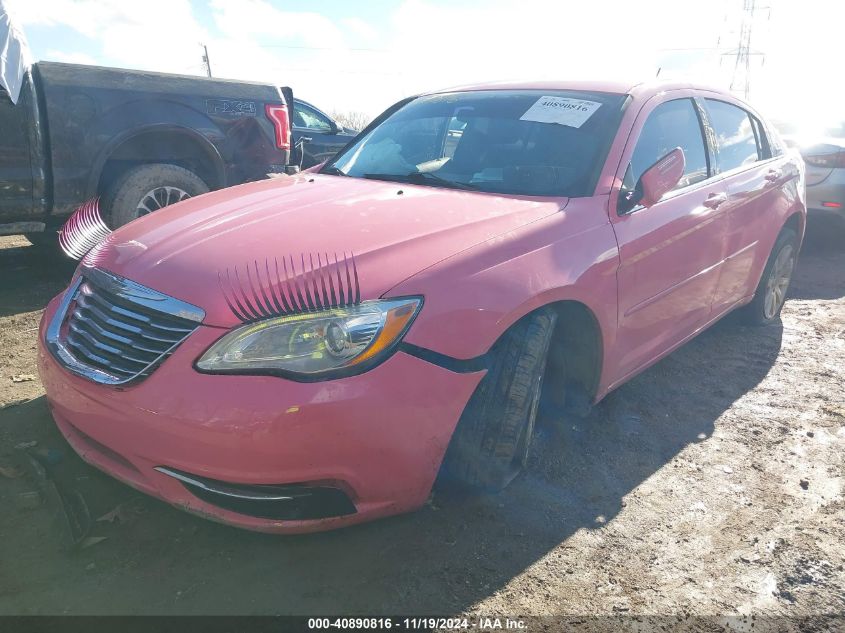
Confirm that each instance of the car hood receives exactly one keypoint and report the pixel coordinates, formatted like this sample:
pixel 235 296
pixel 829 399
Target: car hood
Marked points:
pixel 391 230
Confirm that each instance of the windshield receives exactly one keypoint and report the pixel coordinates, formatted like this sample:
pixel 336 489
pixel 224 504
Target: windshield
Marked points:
pixel 525 142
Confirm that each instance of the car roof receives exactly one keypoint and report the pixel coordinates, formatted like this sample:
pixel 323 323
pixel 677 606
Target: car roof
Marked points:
pixel 639 89
pixel 808 141
pixel 310 105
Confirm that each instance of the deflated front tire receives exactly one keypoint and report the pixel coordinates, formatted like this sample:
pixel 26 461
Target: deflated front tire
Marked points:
pixel 490 444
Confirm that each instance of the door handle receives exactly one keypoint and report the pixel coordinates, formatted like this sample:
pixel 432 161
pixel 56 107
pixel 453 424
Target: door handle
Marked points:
pixel 715 199
pixel 773 175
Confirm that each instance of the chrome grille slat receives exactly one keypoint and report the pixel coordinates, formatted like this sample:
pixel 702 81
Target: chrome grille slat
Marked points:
pixel 82 302
pixel 112 330
pixel 91 356
pixel 145 319
pixel 104 323
pixel 87 345
pixel 107 349
pixel 106 329
pixel 160 339
pixel 90 340
pixel 111 307
pixel 102 331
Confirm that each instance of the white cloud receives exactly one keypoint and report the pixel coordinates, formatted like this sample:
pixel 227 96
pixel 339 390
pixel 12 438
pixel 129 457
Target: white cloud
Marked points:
pixel 85 16
pixel 152 35
pixel 800 78
pixel 427 44
pixel 532 39
pixel 70 58
pixel 363 30
pixel 250 18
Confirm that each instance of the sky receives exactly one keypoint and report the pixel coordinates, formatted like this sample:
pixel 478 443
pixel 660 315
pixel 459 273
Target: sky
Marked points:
pixel 364 55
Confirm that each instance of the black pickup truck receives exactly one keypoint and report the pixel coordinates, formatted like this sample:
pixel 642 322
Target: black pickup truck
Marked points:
pixel 137 140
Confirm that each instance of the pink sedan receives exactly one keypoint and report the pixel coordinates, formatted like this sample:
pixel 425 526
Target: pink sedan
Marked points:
pixel 313 351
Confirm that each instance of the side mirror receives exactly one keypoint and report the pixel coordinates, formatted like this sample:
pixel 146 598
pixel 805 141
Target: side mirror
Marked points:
pixel 335 127
pixel 661 178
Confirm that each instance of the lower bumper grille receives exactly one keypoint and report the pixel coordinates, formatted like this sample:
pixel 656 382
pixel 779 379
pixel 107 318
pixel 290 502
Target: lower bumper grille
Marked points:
pixel 113 331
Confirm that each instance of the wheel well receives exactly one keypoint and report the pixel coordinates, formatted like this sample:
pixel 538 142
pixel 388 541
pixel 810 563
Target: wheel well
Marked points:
pixel 796 223
pixel 161 146
pixel 574 363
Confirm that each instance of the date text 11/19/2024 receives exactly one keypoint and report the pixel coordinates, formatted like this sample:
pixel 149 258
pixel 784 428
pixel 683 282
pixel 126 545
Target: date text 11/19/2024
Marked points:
pixel 417 624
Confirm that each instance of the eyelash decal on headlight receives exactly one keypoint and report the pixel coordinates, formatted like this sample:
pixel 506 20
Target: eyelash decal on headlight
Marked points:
pixel 277 289
pixel 83 230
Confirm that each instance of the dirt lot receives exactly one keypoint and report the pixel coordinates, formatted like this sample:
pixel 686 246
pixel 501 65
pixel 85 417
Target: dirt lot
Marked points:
pixel 711 484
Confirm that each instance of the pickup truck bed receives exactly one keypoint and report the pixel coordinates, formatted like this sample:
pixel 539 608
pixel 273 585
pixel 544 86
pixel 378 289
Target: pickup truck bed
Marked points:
pixel 79 132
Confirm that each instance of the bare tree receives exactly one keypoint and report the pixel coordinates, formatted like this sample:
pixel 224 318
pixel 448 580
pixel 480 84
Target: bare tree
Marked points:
pixel 353 120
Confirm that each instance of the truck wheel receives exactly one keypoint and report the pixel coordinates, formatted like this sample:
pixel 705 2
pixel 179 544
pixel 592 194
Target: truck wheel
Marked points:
pixel 771 291
pixel 148 188
pixel 490 444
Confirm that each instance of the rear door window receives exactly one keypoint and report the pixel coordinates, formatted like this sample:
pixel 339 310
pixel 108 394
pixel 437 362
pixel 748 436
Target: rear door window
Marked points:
pixel 736 141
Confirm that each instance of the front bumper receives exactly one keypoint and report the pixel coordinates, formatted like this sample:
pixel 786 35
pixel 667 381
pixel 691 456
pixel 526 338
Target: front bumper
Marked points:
pixel 378 437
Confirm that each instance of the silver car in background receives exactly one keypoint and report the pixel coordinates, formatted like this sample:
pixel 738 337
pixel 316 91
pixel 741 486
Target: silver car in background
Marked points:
pixel 825 160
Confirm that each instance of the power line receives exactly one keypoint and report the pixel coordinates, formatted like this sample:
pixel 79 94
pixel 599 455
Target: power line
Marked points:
pixel 696 48
pixel 326 48
pixel 338 71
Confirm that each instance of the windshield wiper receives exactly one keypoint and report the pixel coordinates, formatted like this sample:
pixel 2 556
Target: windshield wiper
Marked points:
pixel 423 178
pixel 387 177
pixel 429 178
pixel 333 171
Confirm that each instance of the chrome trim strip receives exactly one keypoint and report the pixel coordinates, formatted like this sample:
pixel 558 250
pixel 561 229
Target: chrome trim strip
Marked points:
pixel 131 292
pixel 221 490
pixel 61 352
pixel 147 297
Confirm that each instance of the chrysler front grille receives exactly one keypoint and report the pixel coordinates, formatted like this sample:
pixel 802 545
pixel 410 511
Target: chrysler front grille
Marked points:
pixel 113 331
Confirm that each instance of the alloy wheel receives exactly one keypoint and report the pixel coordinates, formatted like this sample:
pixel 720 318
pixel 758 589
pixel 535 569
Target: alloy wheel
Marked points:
pixel 159 198
pixel 778 281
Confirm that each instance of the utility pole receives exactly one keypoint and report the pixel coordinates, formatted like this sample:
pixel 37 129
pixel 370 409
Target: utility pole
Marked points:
pixel 206 60
pixel 742 54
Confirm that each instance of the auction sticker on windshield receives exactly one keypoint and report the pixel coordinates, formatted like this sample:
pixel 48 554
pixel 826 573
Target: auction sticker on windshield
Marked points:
pixel 571 112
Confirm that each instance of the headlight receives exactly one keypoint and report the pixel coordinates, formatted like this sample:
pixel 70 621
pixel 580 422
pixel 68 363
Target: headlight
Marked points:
pixel 314 345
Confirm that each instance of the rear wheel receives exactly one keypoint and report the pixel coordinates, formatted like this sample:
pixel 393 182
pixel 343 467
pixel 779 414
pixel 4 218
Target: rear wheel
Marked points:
pixel 771 291
pixel 148 188
pixel 490 444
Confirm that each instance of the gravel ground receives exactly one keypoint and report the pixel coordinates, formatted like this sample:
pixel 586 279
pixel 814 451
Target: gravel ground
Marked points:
pixel 709 485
